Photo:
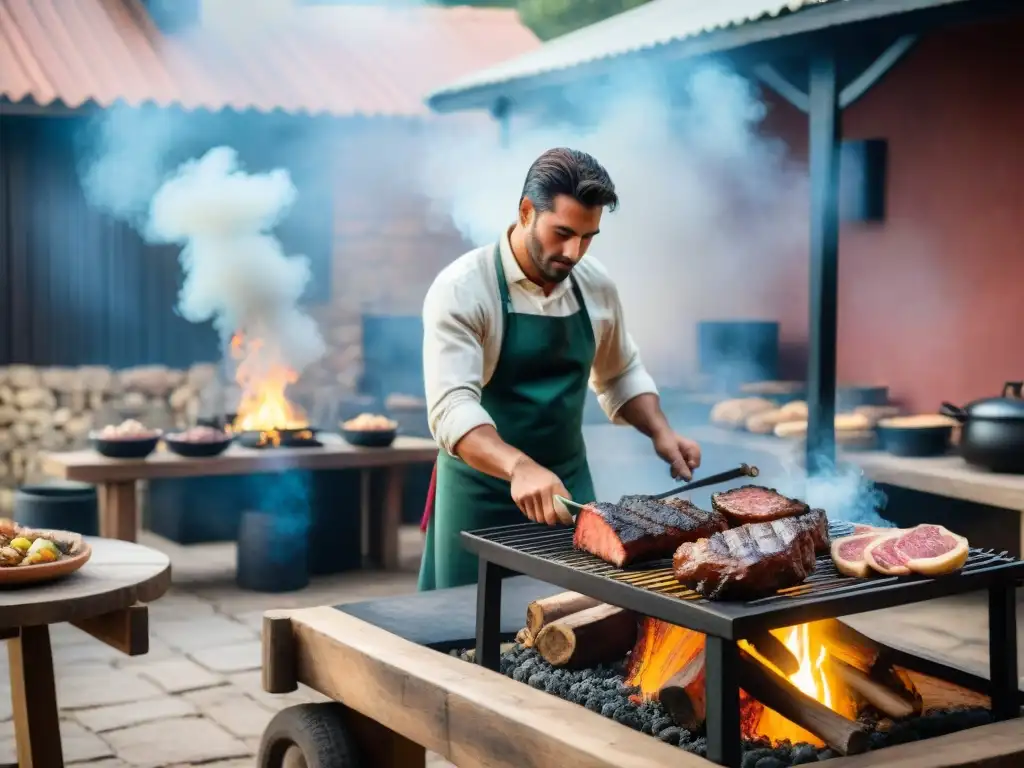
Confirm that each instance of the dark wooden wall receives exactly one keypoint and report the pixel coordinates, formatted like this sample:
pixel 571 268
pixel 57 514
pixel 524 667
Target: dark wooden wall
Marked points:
pixel 78 287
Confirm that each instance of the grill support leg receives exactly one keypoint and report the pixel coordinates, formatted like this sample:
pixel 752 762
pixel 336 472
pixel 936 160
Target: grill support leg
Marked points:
pixel 488 615
pixel 721 667
pixel 1002 649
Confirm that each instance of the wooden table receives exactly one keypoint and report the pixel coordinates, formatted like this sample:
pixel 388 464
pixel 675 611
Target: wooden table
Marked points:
pixel 399 699
pixel 116 478
pixel 105 598
pixel 948 476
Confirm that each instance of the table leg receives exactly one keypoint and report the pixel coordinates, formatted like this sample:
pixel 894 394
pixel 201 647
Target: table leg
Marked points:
pixel 386 486
pixel 34 699
pixel 118 511
pixel 723 695
pixel 1002 650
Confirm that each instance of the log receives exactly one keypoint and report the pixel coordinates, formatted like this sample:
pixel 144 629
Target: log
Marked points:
pixel 598 635
pixel 525 637
pixel 895 704
pixel 542 612
pixel 683 695
pixel 844 736
pixel 775 651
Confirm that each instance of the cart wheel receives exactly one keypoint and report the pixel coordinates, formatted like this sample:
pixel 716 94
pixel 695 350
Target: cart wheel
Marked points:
pixel 308 736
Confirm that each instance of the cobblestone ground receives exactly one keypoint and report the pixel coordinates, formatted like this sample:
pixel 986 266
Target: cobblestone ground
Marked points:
pixel 196 697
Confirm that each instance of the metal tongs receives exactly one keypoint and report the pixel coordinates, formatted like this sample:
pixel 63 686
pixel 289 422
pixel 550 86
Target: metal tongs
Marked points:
pixel 743 470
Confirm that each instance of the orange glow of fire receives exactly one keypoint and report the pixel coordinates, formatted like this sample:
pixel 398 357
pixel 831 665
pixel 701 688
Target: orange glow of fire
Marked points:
pixel 662 650
pixel 263 407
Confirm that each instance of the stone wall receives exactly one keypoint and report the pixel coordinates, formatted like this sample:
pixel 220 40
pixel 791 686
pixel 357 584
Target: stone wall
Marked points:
pixel 54 409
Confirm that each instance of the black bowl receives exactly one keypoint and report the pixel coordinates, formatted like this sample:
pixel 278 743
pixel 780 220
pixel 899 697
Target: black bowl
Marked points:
pixel 369 438
pixel 125 447
pixel 917 442
pixel 197 449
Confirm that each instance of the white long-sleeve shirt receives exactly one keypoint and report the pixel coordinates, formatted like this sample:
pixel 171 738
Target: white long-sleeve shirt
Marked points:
pixel 462 332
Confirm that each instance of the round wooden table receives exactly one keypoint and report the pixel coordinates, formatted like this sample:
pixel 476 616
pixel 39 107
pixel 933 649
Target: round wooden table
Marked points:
pixel 106 598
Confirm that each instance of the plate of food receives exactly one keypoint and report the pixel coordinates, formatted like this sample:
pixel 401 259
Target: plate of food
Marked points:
pixel 127 440
pixel 29 556
pixel 370 430
pixel 198 442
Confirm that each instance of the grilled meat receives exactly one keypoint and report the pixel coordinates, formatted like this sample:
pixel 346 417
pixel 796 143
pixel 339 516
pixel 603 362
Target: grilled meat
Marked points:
pixel 817 523
pixel 640 528
pixel 749 561
pixel 756 504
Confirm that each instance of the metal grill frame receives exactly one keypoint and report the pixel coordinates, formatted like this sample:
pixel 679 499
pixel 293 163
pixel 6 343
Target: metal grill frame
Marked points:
pixel 547 554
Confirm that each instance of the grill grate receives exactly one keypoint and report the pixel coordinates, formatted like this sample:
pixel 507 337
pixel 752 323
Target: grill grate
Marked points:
pixel 548 553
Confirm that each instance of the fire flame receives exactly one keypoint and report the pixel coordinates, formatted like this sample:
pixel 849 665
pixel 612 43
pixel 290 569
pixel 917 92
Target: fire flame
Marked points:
pixel 263 406
pixel 662 650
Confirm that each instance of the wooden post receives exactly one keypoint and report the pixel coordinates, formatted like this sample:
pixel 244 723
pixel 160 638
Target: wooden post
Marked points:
pixel 385 515
pixel 34 699
pixel 118 510
pixel 278 671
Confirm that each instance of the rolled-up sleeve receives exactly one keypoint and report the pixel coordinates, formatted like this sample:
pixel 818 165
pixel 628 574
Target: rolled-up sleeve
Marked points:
pixel 453 359
pixel 618 374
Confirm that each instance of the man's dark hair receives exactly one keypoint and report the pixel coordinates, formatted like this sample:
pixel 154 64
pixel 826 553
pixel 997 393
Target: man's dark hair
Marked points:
pixel 569 172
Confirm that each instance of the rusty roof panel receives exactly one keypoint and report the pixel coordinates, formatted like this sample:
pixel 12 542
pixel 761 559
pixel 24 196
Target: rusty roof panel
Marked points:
pixel 344 60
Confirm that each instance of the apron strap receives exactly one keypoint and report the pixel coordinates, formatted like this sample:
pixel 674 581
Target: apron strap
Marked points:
pixel 506 301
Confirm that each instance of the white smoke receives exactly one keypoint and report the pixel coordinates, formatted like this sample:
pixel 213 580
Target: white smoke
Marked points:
pixel 702 191
pixel 236 272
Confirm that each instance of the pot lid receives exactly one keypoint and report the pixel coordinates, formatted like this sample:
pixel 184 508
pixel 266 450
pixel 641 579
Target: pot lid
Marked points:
pixel 1010 406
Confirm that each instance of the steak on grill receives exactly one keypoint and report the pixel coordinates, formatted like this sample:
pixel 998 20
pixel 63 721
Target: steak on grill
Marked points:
pixel 816 521
pixel 756 504
pixel 640 528
pixel 749 561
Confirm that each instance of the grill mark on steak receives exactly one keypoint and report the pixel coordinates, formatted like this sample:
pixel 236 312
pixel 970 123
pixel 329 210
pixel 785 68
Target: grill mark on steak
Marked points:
pixel 816 521
pixel 640 528
pixel 749 561
pixel 756 504
pixel 682 515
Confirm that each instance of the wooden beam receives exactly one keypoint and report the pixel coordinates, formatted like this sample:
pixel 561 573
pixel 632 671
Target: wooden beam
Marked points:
pixel 472 716
pixel 126 630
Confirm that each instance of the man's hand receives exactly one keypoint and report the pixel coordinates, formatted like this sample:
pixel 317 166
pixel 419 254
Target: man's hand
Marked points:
pixel 534 489
pixel 680 453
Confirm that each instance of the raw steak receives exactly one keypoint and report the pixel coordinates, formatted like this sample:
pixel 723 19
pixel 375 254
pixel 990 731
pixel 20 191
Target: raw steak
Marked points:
pixel 926 549
pixel 643 530
pixel 848 554
pixel 932 550
pixel 756 504
pixel 747 562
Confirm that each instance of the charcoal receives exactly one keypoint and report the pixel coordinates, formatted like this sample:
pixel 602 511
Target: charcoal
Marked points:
pixel 603 690
pixel 803 754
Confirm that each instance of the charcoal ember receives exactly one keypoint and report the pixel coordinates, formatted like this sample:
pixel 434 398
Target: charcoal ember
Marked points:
pixel 751 757
pixel 593 704
pixel 670 735
pixel 537 680
pixel 876 740
pixel 608 710
pixel 771 761
pixel 697 747
pixel 520 674
pixel 802 754
pixel 827 754
pixel 661 723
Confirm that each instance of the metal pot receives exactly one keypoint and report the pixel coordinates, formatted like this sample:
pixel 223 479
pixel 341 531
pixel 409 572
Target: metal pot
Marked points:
pixel 992 435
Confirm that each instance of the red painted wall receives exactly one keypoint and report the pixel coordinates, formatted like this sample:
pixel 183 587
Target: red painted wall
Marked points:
pixel 932 299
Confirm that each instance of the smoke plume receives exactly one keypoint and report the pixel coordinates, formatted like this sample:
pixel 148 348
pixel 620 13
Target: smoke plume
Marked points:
pixel 236 272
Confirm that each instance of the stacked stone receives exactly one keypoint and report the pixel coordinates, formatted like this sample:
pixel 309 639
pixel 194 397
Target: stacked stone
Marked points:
pixel 54 409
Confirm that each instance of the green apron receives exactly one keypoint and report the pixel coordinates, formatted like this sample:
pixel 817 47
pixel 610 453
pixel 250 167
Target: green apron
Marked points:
pixel 536 398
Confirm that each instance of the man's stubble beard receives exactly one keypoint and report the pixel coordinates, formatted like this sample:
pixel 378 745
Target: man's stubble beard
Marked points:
pixel 533 248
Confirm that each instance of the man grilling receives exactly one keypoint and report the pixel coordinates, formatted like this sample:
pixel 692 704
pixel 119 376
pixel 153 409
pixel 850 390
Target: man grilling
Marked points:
pixel 513 332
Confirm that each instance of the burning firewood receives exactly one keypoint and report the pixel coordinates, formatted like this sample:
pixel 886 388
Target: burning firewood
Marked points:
pixel 542 612
pixel 683 695
pixel 775 651
pixel 893 703
pixel 590 637
pixel 844 736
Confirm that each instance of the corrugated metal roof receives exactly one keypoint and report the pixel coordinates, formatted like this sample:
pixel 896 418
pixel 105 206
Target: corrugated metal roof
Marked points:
pixel 647 26
pixel 340 60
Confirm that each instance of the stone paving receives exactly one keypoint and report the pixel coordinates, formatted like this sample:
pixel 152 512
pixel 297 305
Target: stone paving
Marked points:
pixel 196 697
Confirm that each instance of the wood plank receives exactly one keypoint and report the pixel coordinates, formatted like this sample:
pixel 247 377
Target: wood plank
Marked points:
pixel 472 716
pixel 467 714
pixel 127 630
pixel 89 467
pixel 34 699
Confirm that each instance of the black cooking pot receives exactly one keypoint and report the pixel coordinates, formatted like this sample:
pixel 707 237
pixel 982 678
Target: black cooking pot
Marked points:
pixel 993 430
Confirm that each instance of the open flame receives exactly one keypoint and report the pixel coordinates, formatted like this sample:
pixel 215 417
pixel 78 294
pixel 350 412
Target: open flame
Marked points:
pixel 263 406
pixel 664 650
